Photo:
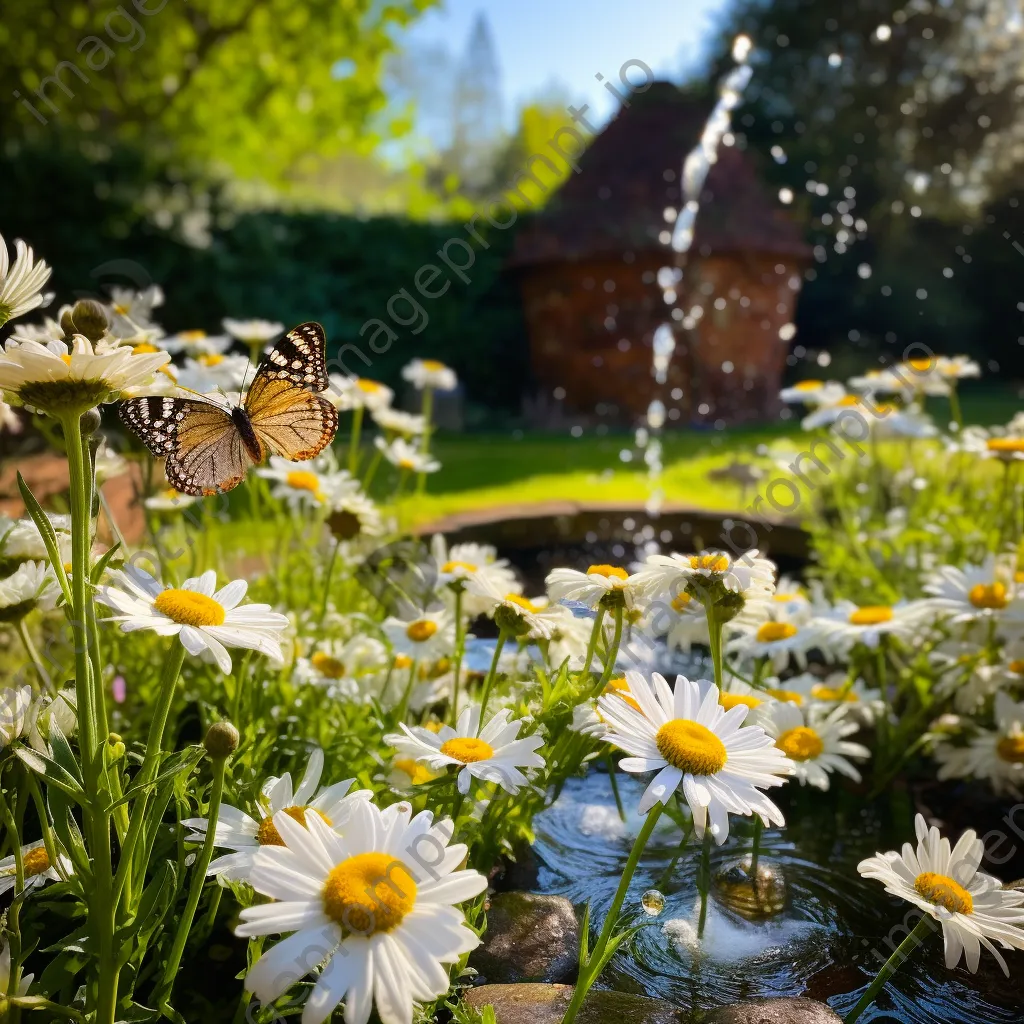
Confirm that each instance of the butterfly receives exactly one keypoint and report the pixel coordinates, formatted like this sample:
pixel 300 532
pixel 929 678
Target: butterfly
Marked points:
pixel 209 448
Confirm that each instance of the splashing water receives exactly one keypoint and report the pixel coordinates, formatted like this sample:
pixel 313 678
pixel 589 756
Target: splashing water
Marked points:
pixel 696 168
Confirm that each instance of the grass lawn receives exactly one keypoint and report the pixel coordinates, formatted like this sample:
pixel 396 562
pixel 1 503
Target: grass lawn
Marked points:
pixel 484 470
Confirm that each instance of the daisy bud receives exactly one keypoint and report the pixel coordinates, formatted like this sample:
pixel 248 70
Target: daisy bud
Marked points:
pixel 90 422
pixel 87 318
pixel 221 740
pixel 115 748
pixel 510 621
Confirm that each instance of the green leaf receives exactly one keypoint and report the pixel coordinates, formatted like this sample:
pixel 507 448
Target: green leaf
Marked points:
pixel 52 773
pixel 182 761
pixel 103 561
pixel 585 936
pixel 49 535
pixel 62 752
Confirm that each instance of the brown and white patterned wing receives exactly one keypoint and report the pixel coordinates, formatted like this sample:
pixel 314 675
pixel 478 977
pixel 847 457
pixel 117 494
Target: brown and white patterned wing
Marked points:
pixel 289 419
pixel 155 421
pixel 300 357
pixel 209 455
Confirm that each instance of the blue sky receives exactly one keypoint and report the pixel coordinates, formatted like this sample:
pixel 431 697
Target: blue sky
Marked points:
pixel 568 42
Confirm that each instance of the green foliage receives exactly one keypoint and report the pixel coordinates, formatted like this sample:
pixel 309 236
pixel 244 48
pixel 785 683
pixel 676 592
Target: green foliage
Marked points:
pixel 247 83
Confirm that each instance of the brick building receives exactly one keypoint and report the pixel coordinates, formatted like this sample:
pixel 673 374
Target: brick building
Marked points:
pixel 588 263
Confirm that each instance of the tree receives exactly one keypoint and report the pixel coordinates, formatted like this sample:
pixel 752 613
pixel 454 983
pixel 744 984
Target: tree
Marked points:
pixel 253 85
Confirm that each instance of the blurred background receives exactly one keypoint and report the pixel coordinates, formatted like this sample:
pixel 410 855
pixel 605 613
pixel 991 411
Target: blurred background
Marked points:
pixel 265 158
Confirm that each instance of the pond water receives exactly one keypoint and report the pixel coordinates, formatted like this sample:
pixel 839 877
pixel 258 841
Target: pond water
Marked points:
pixel 824 940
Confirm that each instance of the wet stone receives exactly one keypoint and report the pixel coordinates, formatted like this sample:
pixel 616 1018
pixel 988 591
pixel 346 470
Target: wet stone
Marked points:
pixel 753 899
pixel 774 1011
pixel 529 938
pixel 546 1004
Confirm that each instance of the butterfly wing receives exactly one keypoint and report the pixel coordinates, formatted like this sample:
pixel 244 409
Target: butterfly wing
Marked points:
pixel 203 449
pixel 287 414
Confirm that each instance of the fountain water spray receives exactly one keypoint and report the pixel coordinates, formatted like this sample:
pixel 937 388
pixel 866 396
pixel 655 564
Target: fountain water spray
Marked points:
pixel 696 167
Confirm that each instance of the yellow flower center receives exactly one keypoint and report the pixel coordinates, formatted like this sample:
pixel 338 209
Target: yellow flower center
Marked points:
pixel 621 688
pixel 944 891
pixel 368 387
pixel 921 365
pixel 467 749
pixel 433 366
pixel 680 601
pixel 608 570
pixel 369 893
pixel 819 691
pixel 691 747
pixel 420 631
pixel 190 336
pixel 211 359
pixel 786 695
pixel 267 834
pixel 786 598
pixel 1005 444
pixel 418 773
pixel 455 566
pixel 143 348
pixel 328 667
pixel 710 563
pixel 188 608
pixel 67 358
pixel 808 385
pixel 1011 748
pixel 731 700
pixel 871 615
pixel 848 401
pixel 989 595
pixel 36 862
pixel 406 464
pixel 800 744
pixel 522 602
pixel 1017 666
pixel 303 480
pixel 403 661
pixel 771 632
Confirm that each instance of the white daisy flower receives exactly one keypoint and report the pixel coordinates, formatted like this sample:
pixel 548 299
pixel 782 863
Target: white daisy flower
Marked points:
pixel 253 332
pixel 32 585
pixel 957 367
pixel 981 684
pixel 814 739
pixel 314 483
pixel 510 610
pixel 429 635
pixel 375 907
pixel 37 867
pixel 923 377
pixel 878 382
pixel 47 712
pixel 9 419
pixel 683 621
pixel 568 638
pixel 995 755
pixel 813 392
pixel 358 393
pixel 846 623
pixel 132 311
pixel 340 665
pixel 779 640
pixel 109 464
pixel 55 379
pixel 945 883
pixel 20 540
pixel 214 373
pixel 873 413
pixel 17 713
pixel 1006 444
pixel 196 344
pixel 429 373
pixel 970 594
pixel 21 285
pixel 245 835
pixel 169 500
pixel 353 516
pixel 403 455
pixel 456 566
pixel 690 740
pixel 862 703
pixel 608 586
pixel 395 421
pixel 204 620
pixel 749 575
pixel 494 753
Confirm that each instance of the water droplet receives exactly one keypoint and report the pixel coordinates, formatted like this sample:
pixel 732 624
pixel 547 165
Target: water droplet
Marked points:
pixel 653 902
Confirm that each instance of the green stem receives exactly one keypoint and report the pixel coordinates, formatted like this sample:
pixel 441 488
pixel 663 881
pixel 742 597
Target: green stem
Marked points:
pixel 954 406
pixel 460 648
pixel 327 582
pixel 924 928
pixel 403 704
pixel 592 645
pixel 353 444
pixel 427 410
pixel 597 956
pixel 615 785
pixel 612 653
pixel 199 869
pixel 715 643
pixel 33 655
pixel 14 914
pixel 489 681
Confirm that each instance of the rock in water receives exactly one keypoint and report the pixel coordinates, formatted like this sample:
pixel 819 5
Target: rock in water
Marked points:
pixel 546 1004
pixel 528 938
pixel 775 1011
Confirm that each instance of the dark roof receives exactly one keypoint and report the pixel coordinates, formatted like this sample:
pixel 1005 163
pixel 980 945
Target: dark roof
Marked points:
pixel 630 174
